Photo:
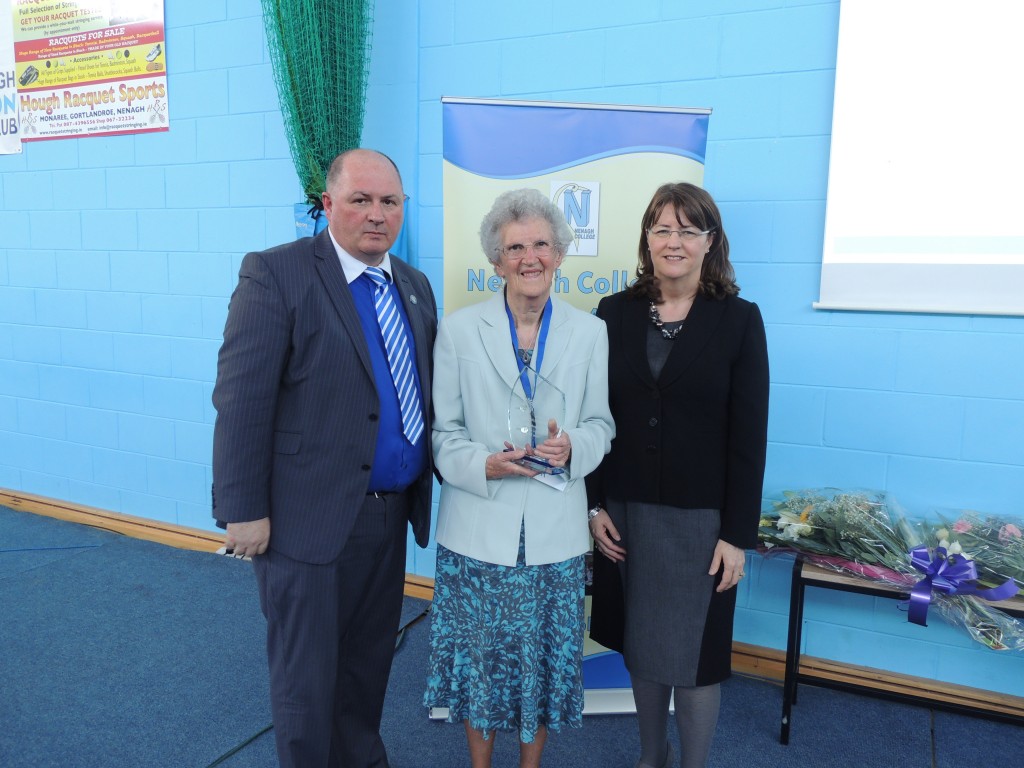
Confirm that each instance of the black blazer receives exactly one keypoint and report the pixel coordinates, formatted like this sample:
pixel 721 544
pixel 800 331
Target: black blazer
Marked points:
pixel 296 402
pixel 697 436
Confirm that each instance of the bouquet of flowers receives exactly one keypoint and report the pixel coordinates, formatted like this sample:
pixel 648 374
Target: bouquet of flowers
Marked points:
pixel 960 564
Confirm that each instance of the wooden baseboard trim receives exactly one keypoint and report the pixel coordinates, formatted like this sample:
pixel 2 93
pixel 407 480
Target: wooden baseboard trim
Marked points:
pixel 419 586
pixel 172 535
pixel 754 660
pixel 770 663
pixel 918 687
pixel 758 661
pixel 137 527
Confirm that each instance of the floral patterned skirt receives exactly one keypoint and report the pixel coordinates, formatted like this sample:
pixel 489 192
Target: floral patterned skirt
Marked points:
pixel 506 644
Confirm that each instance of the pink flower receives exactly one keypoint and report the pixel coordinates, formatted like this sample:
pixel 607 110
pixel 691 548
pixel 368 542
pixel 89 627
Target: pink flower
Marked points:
pixel 962 526
pixel 1009 531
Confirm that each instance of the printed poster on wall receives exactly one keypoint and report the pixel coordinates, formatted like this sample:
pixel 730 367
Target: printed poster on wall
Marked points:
pixel 600 165
pixel 90 67
pixel 10 141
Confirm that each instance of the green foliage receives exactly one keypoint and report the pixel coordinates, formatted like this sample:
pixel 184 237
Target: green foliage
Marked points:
pixel 320 52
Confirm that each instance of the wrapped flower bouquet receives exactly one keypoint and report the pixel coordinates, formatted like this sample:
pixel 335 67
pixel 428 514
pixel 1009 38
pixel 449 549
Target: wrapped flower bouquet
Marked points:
pixel 958 564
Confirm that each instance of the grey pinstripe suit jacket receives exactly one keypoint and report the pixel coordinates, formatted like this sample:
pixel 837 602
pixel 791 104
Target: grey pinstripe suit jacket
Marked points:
pixel 296 402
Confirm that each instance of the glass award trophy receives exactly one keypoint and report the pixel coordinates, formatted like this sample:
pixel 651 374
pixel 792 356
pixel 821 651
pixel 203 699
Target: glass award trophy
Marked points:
pixel 532 404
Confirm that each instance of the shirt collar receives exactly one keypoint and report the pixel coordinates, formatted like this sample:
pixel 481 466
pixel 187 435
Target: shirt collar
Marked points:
pixel 353 267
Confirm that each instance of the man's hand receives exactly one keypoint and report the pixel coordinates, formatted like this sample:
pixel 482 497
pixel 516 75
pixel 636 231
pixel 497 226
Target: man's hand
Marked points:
pixel 248 539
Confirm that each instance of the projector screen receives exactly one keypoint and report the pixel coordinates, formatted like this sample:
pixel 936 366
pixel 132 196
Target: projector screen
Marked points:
pixel 926 175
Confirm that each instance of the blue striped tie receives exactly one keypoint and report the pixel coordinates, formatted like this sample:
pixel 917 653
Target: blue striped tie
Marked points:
pixel 399 355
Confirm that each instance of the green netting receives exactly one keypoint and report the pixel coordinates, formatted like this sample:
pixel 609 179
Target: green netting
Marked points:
pixel 320 51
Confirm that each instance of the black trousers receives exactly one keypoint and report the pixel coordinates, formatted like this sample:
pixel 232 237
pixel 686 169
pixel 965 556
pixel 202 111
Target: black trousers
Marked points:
pixel 331 633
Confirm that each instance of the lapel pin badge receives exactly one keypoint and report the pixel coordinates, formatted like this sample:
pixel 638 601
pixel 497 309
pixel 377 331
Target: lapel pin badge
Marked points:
pixel 412 297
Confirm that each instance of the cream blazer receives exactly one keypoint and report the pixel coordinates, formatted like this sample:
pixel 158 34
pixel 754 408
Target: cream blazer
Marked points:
pixel 474 367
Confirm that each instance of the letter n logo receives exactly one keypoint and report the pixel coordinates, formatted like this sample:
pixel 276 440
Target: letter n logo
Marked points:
pixel 577 211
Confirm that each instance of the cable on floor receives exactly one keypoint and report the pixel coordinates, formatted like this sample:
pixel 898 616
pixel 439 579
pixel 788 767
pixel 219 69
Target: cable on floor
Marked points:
pixel 239 747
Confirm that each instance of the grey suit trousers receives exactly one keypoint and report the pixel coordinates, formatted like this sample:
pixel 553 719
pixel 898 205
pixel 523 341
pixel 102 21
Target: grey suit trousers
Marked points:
pixel 331 633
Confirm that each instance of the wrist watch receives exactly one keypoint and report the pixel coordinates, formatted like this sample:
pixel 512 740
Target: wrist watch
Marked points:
pixel 593 512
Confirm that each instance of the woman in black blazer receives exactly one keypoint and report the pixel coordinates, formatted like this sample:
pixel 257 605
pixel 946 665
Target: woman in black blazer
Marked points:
pixel 676 502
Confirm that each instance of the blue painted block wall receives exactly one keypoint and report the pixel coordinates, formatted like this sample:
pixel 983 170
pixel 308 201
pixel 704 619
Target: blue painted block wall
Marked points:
pixel 118 256
pixel 117 259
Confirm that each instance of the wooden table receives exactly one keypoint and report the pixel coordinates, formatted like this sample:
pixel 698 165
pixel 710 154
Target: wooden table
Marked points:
pixel 806 575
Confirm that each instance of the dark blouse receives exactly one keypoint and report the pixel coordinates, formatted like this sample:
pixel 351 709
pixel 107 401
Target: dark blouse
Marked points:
pixel 658 347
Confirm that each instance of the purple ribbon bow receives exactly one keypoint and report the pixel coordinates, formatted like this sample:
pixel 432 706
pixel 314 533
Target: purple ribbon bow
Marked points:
pixel 948 574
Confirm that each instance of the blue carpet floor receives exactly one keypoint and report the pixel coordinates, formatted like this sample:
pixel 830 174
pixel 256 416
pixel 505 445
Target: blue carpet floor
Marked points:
pixel 117 652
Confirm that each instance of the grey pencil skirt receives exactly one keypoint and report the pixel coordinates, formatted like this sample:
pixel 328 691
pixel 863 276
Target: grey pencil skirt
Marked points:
pixel 667 591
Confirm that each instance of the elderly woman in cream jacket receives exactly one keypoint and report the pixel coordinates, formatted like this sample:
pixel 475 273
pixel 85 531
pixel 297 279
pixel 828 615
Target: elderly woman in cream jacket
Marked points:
pixel 507 627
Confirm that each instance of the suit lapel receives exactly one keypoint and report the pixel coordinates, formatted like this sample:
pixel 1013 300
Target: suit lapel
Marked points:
pixel 634 341
pixel 558 338
pixel 333 277
pixel 698 328
pixel 496 339
pixel 494 336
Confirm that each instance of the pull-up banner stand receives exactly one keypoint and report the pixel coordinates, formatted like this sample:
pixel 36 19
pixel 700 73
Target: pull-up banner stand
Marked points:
pixel 600 164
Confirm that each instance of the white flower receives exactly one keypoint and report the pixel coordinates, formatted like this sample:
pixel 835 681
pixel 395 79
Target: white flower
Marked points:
pixel 791 532
pixel 942 534
pixel 793 526
pixel 944 544
pixel 954 548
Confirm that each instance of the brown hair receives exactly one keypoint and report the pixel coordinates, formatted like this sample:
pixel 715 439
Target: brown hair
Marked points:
pixel 717 278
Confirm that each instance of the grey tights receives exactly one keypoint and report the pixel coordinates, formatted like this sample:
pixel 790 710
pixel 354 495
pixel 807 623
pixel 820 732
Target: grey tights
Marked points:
pixel 696 717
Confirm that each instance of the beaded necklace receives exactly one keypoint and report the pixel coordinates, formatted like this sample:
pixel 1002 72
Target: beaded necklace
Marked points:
pixel 655 316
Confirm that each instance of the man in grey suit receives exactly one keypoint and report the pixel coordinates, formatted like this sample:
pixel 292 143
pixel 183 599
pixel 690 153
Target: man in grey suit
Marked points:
pixel 319 460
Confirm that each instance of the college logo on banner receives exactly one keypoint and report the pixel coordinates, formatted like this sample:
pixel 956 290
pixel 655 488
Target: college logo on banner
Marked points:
pixel 580 201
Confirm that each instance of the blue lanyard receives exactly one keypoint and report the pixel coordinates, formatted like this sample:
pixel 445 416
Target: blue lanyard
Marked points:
pixel 542 338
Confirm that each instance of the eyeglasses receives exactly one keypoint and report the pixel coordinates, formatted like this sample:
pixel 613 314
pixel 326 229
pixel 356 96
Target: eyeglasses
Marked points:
pixel 515 251
pixel 686 235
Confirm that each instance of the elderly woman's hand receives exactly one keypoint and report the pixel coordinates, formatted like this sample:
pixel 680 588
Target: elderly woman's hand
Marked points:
pixel 503 464
pixel 557 449
pixel 606 536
